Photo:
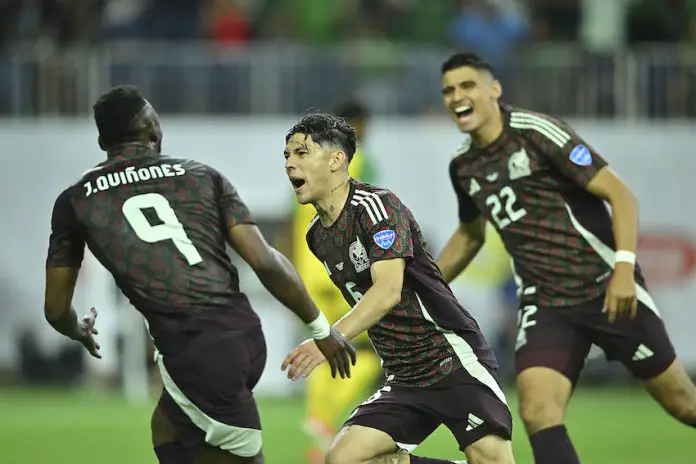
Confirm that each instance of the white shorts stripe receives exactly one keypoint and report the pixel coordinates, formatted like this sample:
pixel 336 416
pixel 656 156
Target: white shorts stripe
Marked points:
pixel 239 441
pixel 546 128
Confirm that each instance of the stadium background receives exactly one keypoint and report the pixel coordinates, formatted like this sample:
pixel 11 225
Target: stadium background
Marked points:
pixel 228 78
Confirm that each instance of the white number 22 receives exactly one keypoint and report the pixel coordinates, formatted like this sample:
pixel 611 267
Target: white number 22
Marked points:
pixel 170 229
pixel 504 215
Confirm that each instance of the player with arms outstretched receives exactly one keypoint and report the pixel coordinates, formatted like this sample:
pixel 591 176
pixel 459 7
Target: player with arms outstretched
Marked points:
pixel 544 189
pixel 161 225
pixel 439 367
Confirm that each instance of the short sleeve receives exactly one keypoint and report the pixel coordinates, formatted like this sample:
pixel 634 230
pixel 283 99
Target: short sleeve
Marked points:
pixel 467 209
pixel 569 153
pixel 234 210
pixel 67 242
pixel 386 224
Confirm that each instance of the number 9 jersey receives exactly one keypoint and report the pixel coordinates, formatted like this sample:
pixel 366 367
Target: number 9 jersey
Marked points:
pixel 160 226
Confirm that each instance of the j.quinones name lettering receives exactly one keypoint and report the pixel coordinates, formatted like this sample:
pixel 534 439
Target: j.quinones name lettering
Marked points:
pixel 130 175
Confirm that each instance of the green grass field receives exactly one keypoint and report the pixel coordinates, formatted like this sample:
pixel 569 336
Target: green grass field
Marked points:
pixel 609 426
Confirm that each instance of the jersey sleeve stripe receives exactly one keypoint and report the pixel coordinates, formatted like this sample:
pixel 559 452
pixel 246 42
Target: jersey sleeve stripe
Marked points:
pixel 546 128
pixel 372 203
pixel 312 222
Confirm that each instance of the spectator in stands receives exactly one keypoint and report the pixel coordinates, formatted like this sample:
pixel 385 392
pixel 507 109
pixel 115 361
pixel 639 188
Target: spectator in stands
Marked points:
pixel 228 22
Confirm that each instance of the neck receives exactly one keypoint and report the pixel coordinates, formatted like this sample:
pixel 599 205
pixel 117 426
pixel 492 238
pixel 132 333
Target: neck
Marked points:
pixel 130 149
pixel 490 131
pixel 330 207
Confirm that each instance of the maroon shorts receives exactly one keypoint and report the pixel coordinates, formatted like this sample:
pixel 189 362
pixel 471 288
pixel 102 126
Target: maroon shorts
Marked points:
pixel 208 390
pixel 560 338
pixel 468 402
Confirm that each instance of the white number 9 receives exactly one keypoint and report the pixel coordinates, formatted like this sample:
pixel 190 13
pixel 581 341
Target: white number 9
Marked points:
pixel 170 229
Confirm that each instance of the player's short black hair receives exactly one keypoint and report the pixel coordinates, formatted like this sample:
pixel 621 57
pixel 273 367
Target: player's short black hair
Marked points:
pixel 352 109
pixel 469 60
pixel 115 114
pixel 323 128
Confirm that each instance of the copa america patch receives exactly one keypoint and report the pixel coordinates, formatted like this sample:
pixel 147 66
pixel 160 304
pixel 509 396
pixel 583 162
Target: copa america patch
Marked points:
pixel 581 156
pixel 384 238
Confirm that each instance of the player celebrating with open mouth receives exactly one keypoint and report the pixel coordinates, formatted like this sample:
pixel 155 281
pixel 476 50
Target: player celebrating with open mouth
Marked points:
pixel 544 188
pixel 439 367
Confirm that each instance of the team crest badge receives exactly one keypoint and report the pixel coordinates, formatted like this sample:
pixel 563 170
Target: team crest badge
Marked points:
pixel 384 238
pixel 358 256
pixel 581 156
pixel 518 164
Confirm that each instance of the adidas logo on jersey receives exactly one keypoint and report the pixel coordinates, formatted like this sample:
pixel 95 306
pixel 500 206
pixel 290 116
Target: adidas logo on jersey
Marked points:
pixel 473 422
pixel 642 353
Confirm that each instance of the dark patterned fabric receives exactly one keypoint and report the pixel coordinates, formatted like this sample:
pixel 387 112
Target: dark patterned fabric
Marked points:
pixel 531 185
pixel 159 225
pixel 428 334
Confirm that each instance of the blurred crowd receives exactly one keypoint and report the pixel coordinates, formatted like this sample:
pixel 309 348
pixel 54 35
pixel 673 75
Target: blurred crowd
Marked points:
pixel 454 22
pixel 586 77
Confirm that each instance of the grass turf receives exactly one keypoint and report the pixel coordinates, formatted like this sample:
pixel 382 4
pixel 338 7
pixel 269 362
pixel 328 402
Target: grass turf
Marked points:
pixel 608 426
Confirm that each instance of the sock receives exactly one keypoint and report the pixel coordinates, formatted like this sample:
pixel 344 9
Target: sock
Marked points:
pixel 173 453
pixel 553 446
pixel 419 460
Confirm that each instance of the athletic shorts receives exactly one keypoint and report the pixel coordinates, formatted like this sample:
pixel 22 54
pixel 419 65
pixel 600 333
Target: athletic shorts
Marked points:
pixel 560 338
pixel 469 402
pixel 208 390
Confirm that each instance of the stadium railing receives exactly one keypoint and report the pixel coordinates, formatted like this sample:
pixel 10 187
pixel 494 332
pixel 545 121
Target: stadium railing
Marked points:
pixel 272 78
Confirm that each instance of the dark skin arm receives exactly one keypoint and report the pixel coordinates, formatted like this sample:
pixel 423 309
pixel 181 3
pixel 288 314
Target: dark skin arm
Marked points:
pixel 279 277
pixel 58 310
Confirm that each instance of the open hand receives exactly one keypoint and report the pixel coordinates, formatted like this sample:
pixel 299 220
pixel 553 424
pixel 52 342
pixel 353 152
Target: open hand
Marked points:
pixel 86 333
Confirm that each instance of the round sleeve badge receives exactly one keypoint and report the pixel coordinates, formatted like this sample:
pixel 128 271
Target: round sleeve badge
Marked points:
pixel 581 156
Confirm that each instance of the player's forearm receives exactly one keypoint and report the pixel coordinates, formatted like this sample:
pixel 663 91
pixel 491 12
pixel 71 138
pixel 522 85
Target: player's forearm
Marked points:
pixel 280 278
pixel 376 303
pixel 65 322
pixel 459 251
pixel 625 212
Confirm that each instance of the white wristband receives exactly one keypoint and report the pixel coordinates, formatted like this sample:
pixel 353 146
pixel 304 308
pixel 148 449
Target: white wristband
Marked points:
pixel 320 327
pixel 623 256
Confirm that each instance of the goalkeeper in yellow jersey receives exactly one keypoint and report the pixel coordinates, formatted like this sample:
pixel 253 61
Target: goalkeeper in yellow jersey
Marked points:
pixel 328 400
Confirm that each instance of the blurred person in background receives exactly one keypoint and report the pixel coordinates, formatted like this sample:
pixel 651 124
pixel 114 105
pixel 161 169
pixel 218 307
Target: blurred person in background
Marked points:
pixel 327 401
pixel 227 22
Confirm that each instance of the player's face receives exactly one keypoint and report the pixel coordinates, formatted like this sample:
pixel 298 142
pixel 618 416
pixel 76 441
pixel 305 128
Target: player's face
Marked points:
pixel 470 96
pixel 309 168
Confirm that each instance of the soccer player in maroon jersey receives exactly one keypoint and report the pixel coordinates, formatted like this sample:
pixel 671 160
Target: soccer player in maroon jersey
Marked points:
pixel 439 367
pixel 161 225
pixel 544 188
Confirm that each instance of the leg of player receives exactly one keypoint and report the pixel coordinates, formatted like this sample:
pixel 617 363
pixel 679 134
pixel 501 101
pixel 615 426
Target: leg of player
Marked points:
pixel 356 444
pixel 675 392
pixel 490 449
pixel 206 454
pixel 168 448
pixel 544 395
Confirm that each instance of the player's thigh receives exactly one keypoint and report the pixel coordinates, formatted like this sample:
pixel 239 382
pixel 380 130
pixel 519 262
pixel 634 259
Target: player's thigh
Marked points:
pixel 210 392
pixel 550 353
pixel 490 449
pixel 641 343
pixel 163 430
pixel 390 420
pixel 471 404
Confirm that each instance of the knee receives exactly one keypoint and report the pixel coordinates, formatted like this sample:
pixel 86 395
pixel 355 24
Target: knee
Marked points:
pixel 540 413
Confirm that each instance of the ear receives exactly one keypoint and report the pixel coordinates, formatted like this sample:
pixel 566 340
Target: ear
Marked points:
pixel 338 159
pixel 497 89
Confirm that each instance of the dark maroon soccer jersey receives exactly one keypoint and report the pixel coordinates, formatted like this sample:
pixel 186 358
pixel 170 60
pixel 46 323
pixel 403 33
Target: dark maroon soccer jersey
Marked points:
pixel 159 225
pixel 428 334
pixel 531 185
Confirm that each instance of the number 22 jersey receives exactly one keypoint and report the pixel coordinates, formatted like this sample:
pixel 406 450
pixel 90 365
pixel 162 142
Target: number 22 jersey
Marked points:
pixel 159 225
pixel 428 334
